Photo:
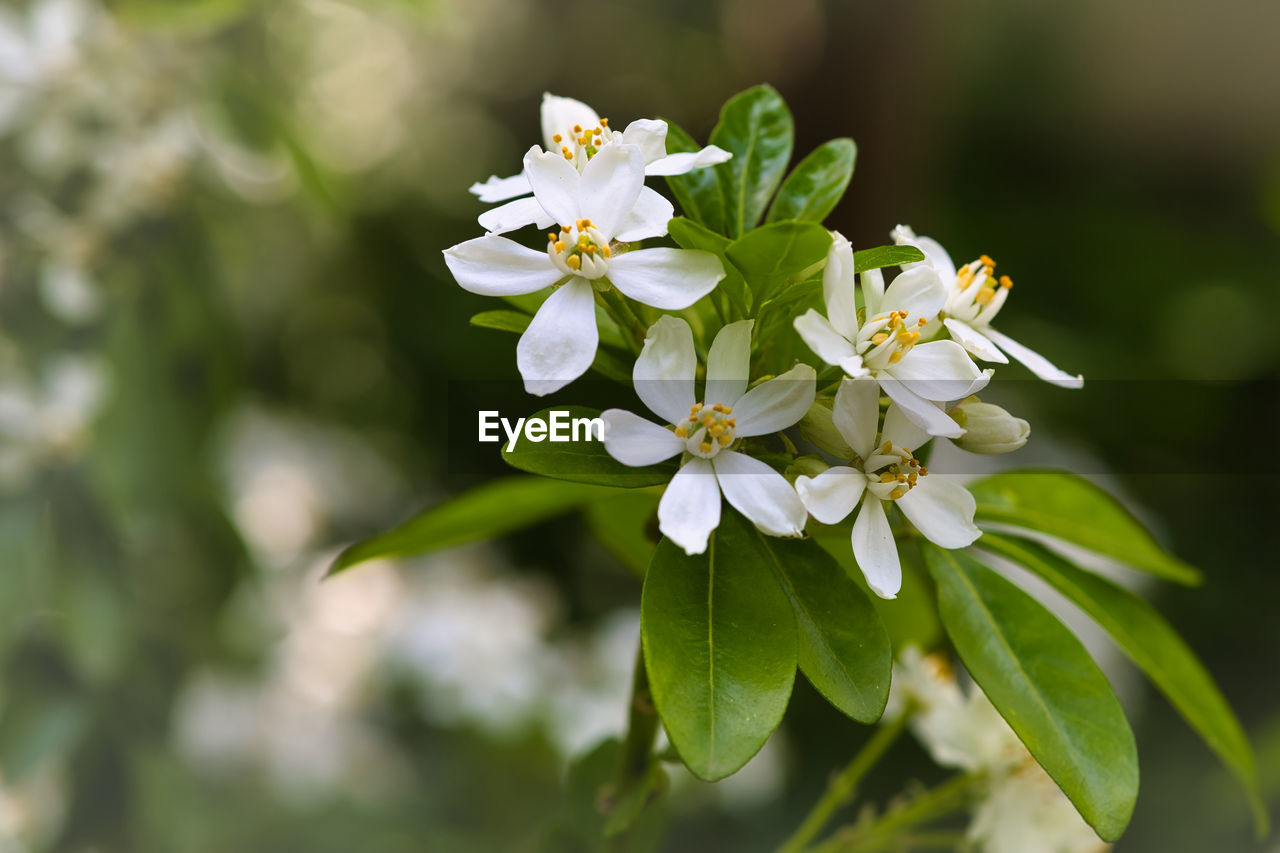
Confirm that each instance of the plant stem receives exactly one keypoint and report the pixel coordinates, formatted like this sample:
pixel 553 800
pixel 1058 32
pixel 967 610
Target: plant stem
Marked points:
pixel 616 304
pixel 948 797
pixel 843 786
pixel 637 748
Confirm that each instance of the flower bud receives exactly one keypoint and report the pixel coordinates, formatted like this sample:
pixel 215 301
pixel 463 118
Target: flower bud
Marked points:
pixel 989 429
pixel 817 427
pixel 805 466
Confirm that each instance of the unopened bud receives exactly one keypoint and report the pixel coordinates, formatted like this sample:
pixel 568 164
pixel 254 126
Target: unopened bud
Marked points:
pixel 989 429
pixel 817 427
pixel 805 466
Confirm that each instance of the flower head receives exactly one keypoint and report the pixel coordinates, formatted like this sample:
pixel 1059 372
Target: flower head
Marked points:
pixel 575 132
pixel 707 434
pixel 974 296
pixel 583 254
pixel 883 341
pixel 885 469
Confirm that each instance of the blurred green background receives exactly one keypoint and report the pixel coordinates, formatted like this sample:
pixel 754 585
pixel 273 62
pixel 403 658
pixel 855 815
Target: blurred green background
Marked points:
pixel 228 342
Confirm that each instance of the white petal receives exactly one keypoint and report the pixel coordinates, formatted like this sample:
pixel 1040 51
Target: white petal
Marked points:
pixel 902 431
pixel 1036 363
pixel 513 215
pixel 856 413
pixel 826 342
pixel 496 266
pixel 611 184
pixel 873 292
pixel 690 507
pixel 634 441
pixel 501 189
pixel 649 135
pixel 917 291
pixel 934 255
pixel 833 494
pixel 555 184
pixel 559 115
pixel 760 493
pixel 560 343
pixel 776 404
pixel 729 363
pixel 687 161
pixel 923 413
pixel 875 550
pixel 648 217
pixel 670 279
pixel 974 341
pixel 938 370
pixel 942 510
pixel 839 287
pixel 664 371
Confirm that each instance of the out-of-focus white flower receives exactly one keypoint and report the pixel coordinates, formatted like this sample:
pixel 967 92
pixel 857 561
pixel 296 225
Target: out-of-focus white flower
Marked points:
pixel 884 345
pixel 576 132
pixel 49 419
pixel 974 297
pixel 1022 809
pixel 703 433
pixel 885 469
pixel 561 341
pixel 31 810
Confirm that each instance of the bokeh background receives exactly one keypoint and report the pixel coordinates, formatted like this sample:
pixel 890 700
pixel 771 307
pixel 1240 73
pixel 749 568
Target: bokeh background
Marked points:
pixel 228 346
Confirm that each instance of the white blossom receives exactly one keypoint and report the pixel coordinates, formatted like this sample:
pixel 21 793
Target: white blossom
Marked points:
pixel 705 433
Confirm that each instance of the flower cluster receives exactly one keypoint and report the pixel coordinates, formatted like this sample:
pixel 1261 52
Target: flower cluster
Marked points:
pixel 916 339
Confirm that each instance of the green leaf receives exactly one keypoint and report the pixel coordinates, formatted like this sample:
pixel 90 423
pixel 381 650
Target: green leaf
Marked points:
pixel 581 461
pixel 1154 646
pixel 885 256
pixel 719 647
pixel 774 256
pixel 491 510
pixel 690 235
pixel 622 525
pixel 605 363
pixel 503 321
pixel 756 127
pixel 1071 508
pixel 1045 685
pixel 843 647
pixel 698 192
pixel 815 186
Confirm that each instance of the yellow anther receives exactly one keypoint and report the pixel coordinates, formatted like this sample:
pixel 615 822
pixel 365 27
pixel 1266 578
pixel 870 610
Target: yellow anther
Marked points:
pixel 716 431
pixel 923 470
pixel 577 128
pixel 590 248
pixel 985 295
pixel 606 251
pixel 912 478
pixel 879 338
pixel 682 432
pixel 1006 282
pixel 922 322
pixel 887 447
pixel 901 478
pixel 574 262
pixel 604 122
pixel 965 274
pixel 986 261
pixel 895 357
pixel 728 410
pixel 559 246
pixel 565 229
pixel 897 493
pixel 733 422
pixel 886 477
pixel 725 440
pixel 568 155
pixel 695 408
pixel 705 447
pixel 598 131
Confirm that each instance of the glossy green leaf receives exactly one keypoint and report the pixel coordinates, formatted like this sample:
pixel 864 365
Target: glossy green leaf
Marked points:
pixel 1045 685
pixel 626 525
pixel 772 257
pixel 580 461
pixel 756 127
pixel 503 321
pixel 1071 508
pixel 719 647
pixel 496 508
pixel 885 256
pixel 1154 646
pixel 698 192
pixel 843 648
pixel 688 234
pixel 605 363
pixel 815 186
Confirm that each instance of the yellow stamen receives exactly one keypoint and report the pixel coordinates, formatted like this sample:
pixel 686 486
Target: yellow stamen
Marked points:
pixel 1006 282
pixel 697 407
pixel 682 432
pixel 879 338
pixel 986 261
pixel 912 478
pixel 897 493
pixel 895 357
pixel 985 295
pixel 606 251
pixel 705 447
pixel 574 262
pixel 886 477
pixel 716 431
pixel 577 128
pixel 725 440
pixel 557 138
pixel 564 228
pixel 887 447
pixel 568 155
pixel 604 122
pixel 559 246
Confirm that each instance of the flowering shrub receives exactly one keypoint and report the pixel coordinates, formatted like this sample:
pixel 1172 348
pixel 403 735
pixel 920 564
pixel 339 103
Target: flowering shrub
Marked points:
pixel 806 383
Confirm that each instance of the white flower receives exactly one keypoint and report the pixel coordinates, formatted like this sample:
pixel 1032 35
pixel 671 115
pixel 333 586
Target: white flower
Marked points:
pixel 574 131
pixel 974 297
pixel 1022 809
pixel 884 345
pixel 591 206
pixel 884 469
pixel 704 433
pixel 988 428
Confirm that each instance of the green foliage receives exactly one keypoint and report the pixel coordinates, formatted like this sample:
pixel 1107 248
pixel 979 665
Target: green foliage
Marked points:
pixel 688 234
pixel 756 127
pixel 1070 507
pixel 814 187
pixel 1154 646
pixel 622 524
pixel 605 363
pixel 699 191
pixel 1043 682
pixel 488 511
pixel 773 257
pixel 581 461
pixel 719 646
pixel 502 321
pixel 885 256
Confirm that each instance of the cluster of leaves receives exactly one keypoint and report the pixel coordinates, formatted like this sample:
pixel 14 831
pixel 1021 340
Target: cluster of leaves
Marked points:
pixel 724 632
